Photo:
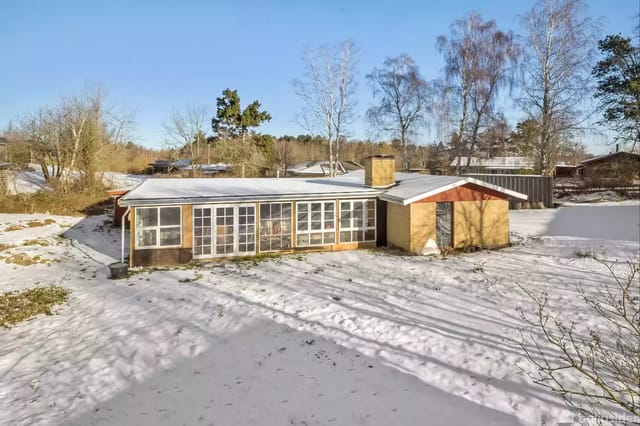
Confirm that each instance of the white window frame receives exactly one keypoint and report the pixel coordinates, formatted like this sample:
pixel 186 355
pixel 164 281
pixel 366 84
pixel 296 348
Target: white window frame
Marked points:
pixel 236 228
pixel 352 228
pixel 157 228
pixel 322 230
pixel 260 227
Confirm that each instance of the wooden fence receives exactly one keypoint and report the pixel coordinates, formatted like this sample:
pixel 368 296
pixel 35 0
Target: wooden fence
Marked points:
pixel 539 189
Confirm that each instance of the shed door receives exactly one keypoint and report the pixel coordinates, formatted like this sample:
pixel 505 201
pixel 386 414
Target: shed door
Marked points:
pixel 444 224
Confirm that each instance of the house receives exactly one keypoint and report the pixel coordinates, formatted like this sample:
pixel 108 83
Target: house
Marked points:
pixel 180 220
pixel 322 168
pixel 494 165
pixel 4 150
pixel 617 165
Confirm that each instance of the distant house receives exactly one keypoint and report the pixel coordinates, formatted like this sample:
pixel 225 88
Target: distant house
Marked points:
pixel 494 165
pixel 176 166
pixel 4 150
pixel 616 165
pixel 180 220
pixel 322 168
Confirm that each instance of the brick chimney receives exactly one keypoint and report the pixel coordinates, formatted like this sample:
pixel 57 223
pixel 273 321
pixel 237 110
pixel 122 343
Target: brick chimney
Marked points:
pixel 380 171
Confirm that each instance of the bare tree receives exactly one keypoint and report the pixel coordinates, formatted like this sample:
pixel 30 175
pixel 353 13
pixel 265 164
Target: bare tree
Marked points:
pixel 404 100
pixel 327 92
pixel 69 138
pixel 479 61
pixel 596 371
pixel 560 47
pixel 186 130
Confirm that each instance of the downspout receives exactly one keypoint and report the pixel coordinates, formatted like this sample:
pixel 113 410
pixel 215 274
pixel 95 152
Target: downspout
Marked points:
pixel 122 222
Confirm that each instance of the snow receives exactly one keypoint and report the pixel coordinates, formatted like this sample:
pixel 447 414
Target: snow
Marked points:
pixel 31 180
pixel 194 189
pixel 357 337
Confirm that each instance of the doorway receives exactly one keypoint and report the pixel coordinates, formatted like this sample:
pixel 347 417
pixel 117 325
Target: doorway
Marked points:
pixel 444 225
pixel 224 230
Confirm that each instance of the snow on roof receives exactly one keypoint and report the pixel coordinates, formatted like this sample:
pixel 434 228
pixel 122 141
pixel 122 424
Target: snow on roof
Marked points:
pixel 412 188
pixel 495 162
pixel 315 168
pixel 196 190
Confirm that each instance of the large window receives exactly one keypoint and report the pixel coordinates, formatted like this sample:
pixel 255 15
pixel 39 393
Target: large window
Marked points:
pixel 315 224
pixel 357 221
pixel 158 227
pixel 275 226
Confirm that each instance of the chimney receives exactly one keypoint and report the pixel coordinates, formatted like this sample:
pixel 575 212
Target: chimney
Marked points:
pixel 380 171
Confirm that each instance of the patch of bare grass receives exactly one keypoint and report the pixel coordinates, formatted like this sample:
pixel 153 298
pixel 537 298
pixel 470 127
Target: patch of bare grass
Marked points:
pixel 20 306
pixel 25 260
pixel 37 242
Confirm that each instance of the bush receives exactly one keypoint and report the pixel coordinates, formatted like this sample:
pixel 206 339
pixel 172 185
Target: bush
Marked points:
pixel 72 202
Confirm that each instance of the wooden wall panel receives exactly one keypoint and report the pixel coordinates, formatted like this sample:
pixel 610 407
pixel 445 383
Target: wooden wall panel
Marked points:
pixel 423 225
pixel 398 226
pixel 481 223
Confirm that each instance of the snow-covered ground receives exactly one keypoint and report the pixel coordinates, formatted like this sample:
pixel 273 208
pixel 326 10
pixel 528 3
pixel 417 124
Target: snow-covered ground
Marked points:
pixel 32 180
pixel 358 337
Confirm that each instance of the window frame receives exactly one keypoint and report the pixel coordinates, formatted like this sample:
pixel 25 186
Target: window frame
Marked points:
pixel 322 229
pixel 157 228
pixel 365 216
pixel 259 236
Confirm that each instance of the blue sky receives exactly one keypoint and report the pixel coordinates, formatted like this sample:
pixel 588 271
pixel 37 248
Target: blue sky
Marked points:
pixel 153 56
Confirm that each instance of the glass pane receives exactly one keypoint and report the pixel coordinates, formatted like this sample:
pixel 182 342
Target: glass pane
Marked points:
pixel 316 207
pixel 328 207
pixel 329 237
pixel 147 237
pixel 370 235
pixel 242 211
pixel 286 210
pixel 316 216
pixel 328 224
pixel 371 222
pixel 197 212
pixel 316 239
pixel 303 240
pixel 286 242
pixel 219 220
pixel 197 222
pixel 358 236
pixel 302 217
pixel 371 204
pixel 242 220
pixel 197 251
pixel 275 243
pixel 147 216
pixel 206 221
pixel 302 208
pixel 229 211
pixel 264 244
pixel 251 247
pixel 303 226
pixel 169 216
pixel 170 236
pixel 345 223
pixel 345 237
pixel 219 211
pixel 251 211
pixel 264 211
pixel 265 227
pixel 328 215
pixel 345 206
pixel 316 225
pixel 275 210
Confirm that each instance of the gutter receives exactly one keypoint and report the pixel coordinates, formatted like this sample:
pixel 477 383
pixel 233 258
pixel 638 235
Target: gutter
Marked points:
pixel 237 199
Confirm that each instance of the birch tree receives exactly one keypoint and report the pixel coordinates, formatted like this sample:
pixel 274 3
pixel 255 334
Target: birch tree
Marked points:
pixel 560 45
pixel 403 100
pixel 480 60
pixel 327 93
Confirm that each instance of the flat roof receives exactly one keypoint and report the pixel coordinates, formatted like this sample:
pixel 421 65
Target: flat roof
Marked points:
pixel 203 190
